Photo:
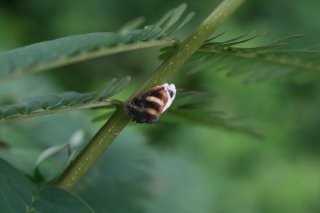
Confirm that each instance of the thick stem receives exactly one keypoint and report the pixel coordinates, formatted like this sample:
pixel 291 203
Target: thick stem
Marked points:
pixel 119 120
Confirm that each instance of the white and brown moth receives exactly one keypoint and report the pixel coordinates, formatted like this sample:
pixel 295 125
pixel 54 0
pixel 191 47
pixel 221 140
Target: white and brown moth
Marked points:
pixel 149 105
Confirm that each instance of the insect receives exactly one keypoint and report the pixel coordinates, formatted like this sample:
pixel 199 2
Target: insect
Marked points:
pixel 149 105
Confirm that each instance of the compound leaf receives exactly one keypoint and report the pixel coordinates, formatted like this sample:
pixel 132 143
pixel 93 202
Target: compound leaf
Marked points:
pixel 62 102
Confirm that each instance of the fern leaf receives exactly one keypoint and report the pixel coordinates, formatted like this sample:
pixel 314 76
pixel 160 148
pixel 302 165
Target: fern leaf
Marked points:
pixel 197 107
pixel 170 20
pixel 216 119
pixel 63 102
pixel 185 21
pixel 233 41
pixel 259 63
pixel 59 52
pixel 50 54
pixel 131 25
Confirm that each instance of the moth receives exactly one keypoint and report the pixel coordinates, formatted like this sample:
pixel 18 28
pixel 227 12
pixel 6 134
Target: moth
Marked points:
pixel 149 105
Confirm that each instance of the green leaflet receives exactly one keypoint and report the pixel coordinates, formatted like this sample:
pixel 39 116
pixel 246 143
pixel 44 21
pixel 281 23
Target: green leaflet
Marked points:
pixel 59 52
pixel 257 63
pixel 170 22
pixel 214 118
pixel 63 102
pixel 19 194
pixel 197 107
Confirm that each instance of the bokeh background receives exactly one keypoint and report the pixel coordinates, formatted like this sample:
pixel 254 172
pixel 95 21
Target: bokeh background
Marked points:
pixel 182 167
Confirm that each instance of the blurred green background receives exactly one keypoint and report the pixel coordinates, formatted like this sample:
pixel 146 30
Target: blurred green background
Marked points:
pixel 169 167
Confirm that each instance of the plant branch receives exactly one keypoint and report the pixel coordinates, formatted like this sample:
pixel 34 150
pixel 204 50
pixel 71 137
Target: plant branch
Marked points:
pixel 119 120
pixel 95 148
pixel 173 63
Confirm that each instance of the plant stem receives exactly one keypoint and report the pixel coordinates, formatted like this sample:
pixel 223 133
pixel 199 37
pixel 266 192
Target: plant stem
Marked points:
pixel 98 144
pixel 191 44
pixel 119 120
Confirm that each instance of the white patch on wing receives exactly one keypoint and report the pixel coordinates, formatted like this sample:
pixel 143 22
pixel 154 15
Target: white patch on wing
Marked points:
pixel 169 87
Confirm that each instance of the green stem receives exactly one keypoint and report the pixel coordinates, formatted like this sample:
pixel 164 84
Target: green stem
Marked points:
pixel 119 120
pixel 98 144
pixel 191 44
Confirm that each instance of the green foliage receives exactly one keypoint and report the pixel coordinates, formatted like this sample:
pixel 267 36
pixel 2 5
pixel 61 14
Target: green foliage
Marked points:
pixel 179 181
pixel 156 180
pixel 19 194
pixel 170 22
pixel 60 52
pixel 258 63
pixel 202 169
pixel 193 107
pixel 109 184
pixel 66 101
